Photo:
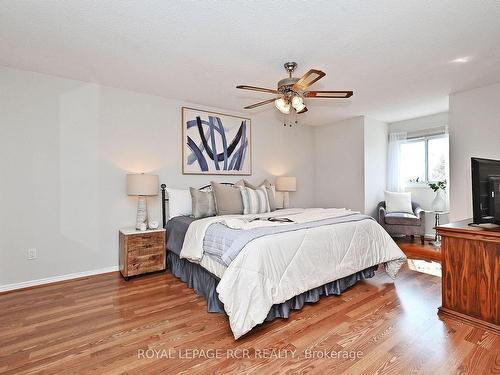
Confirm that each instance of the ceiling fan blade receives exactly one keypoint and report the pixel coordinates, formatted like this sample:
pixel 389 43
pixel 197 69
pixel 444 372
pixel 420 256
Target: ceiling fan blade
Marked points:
pixel 308 79
pixel 255 88
pixel 304 110
pixel 260 103
pixel 328 94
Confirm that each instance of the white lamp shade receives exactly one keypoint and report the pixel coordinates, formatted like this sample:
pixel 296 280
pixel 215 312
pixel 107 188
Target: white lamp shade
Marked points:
pixel 142 184
pixel 282 105
pixel 285 183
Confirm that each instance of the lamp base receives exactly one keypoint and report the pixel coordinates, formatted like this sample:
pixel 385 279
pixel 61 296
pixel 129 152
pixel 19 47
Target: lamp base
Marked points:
pixel 286 199
pixel 142 212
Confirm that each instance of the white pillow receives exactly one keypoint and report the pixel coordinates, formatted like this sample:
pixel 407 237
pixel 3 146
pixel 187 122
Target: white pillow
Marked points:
pixel 398 202
pixel 179 203
pixel 267 191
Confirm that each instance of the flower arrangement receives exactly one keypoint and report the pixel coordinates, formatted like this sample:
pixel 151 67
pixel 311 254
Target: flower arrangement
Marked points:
pixel 438 185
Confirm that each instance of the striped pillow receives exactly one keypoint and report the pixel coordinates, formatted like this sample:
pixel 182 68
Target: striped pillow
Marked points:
pixel 254 201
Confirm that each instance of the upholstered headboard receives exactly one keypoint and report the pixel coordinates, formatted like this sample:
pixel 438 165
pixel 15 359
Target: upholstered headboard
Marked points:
pixel 164 199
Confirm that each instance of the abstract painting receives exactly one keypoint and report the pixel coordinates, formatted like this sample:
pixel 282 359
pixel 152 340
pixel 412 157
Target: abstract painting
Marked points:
pixel 214 143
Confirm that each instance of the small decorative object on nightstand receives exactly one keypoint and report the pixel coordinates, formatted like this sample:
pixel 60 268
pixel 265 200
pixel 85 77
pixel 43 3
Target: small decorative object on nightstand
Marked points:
pixel 141 251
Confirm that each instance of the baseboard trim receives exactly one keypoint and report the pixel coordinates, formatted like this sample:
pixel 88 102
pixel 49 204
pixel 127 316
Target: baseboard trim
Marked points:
pixel 469 319
pixel 55 279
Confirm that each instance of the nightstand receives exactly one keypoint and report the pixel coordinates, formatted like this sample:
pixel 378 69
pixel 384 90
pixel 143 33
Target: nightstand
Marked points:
pixel 141 251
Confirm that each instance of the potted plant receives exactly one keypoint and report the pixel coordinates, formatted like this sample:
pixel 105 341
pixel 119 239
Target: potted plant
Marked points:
pixel 439 202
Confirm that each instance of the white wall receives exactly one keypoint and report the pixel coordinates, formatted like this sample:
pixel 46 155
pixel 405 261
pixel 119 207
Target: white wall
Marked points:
pixel 339 164
pixel 351 159
pixel 423 194
pixel 66 147
pixel 418 124
pixel 375 168
pixel 474 132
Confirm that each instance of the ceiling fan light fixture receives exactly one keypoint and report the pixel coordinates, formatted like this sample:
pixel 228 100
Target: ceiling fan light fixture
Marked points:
pixel 303 110
pixel 282 105
pixel 299 108
pixel 297 102
pixel 291 91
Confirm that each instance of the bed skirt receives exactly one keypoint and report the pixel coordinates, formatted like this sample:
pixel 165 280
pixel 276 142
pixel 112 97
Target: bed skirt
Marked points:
pixel 205 284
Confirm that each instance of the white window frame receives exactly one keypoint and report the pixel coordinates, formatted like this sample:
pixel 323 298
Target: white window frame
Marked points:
pixel 426 141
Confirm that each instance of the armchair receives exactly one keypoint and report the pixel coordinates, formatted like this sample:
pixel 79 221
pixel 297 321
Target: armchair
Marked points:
pixel 401 223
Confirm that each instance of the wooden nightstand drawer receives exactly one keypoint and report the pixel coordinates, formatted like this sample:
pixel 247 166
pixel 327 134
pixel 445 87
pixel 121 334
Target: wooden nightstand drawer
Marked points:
pixel 145 263
pixel 136 241
pixel 141 252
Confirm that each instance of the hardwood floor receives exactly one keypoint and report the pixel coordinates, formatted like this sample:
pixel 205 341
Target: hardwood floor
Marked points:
pixel 413 249
pixel 102 324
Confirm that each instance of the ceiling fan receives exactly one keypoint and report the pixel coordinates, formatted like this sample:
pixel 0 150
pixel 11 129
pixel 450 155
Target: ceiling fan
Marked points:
pixel 292 91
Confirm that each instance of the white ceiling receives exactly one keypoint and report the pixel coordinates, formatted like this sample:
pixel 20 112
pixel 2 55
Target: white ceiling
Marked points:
pixel 394 54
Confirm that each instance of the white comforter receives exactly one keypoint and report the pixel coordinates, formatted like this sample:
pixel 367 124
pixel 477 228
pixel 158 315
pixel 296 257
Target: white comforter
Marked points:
pixel 272 269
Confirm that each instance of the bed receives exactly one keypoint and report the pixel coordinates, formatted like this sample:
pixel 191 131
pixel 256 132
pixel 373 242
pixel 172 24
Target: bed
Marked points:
pixel 254 270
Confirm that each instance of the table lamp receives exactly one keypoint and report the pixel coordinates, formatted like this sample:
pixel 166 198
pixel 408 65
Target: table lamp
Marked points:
pixel 142 185
pixel 286 184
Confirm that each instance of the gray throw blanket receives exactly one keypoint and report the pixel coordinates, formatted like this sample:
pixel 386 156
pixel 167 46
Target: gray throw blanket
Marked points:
pixel 225 243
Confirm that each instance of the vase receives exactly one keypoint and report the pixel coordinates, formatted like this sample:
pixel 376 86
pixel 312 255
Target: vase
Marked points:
pixel 439 202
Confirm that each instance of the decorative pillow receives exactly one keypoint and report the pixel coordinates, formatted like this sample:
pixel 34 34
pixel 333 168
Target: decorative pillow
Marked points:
pixel 270 190
pixel 245 183
pixel 398 202
pixel 239 183
pixel 203 203
pixel 254 201
pixel 266 183
pixel 179 202
pixel 271 197
pixel 228 199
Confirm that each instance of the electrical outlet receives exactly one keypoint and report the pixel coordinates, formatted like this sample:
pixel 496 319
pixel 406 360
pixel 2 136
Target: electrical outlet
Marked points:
pixel 32 254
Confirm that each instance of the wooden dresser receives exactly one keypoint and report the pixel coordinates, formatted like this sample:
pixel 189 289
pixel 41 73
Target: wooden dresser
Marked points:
pixel 141 251
pixel 471 274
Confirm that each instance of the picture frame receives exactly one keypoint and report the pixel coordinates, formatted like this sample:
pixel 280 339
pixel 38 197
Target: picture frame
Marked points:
pixel 205 131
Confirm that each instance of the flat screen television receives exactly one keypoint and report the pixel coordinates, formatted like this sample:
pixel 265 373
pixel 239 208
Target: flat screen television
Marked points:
pixel 485 190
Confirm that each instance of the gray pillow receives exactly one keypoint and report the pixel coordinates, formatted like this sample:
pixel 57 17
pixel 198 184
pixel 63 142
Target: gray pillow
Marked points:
pixel 228 199
pixel 266 183
pixel 240 183
pixel 245 183
pixel 203 203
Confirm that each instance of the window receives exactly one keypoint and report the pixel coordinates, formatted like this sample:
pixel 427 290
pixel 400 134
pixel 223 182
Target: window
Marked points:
pixel 437 158
pixel 424 159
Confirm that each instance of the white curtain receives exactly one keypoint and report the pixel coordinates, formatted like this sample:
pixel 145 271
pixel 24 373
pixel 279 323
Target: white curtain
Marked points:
pixel 394 181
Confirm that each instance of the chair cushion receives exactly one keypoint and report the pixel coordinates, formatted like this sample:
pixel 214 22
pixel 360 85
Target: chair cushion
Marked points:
pixel 398 202
pixel 401 218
